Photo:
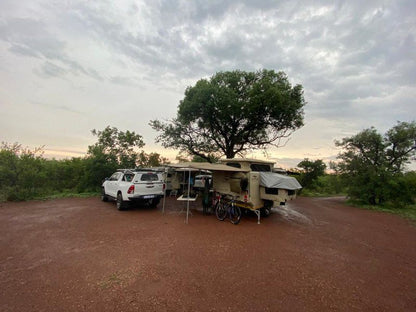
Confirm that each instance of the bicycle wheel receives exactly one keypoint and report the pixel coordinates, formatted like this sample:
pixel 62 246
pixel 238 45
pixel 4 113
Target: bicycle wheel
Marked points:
pixel 221 211
pixel 235 214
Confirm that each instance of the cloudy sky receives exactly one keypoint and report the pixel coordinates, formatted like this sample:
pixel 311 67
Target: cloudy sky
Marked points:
pixel 67 67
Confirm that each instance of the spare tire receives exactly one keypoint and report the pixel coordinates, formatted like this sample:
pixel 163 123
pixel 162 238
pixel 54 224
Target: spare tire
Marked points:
pixel 244 184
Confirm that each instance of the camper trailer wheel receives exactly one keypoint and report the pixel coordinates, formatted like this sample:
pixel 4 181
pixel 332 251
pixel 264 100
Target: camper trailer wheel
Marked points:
pixel 267 208
pixel 265 212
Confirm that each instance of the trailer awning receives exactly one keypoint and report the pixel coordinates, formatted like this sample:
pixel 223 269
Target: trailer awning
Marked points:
pixel 206 166
pixel 275 180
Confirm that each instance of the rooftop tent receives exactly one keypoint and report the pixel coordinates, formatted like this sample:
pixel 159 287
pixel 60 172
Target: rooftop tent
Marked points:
pixel 275 180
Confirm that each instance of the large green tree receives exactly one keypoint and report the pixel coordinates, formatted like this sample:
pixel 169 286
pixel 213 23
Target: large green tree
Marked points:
pixel 233 112
pixel 311 171
pixel 373 164
pixel 116 149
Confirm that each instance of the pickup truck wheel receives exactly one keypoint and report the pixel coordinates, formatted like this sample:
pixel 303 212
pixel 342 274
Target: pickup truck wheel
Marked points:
pixel 120 203
pixel 104 197
pixel 154 202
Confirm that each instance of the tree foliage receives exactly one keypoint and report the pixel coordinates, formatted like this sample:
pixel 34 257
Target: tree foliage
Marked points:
pixel 311 171
pixel 26 174
pixel 373 164
pixel 151 160
pixel 234 112
pixel 118 147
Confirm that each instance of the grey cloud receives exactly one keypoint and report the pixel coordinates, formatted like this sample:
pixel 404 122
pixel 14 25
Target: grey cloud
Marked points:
pixel 23 50
pixel 344 53
pixel 125 81
pixel 367 43
pixel 29 37
pixel 57 107
pixel 51 70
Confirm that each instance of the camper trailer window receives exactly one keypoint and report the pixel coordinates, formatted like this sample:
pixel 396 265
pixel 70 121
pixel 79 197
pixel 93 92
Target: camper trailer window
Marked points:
pixel 291 192
pixel 260 167
pixel 272 191
pixel 234 164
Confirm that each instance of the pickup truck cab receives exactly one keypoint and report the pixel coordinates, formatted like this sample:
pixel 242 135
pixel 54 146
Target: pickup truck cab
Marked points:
pixel 134 185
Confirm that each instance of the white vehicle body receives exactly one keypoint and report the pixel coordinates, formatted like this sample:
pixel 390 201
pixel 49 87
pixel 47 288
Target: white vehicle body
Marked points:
pixel 200 180
pixel 126 185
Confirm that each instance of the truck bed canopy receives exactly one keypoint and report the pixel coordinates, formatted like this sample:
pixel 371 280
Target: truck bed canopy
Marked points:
pixel 276 180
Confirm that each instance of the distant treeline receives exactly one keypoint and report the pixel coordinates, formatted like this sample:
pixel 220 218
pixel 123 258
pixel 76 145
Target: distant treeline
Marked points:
pixel 371 167
pixel 26 174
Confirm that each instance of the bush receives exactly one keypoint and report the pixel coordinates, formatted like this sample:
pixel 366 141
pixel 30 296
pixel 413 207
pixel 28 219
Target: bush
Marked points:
pixel 326 185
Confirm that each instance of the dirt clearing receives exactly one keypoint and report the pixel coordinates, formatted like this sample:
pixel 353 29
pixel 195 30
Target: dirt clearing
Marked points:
pixel 312 255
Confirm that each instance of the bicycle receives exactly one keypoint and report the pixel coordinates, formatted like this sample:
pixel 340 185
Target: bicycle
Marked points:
pixel 227 208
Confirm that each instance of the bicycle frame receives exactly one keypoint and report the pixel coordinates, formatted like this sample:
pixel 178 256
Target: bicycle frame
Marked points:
pixel 226 208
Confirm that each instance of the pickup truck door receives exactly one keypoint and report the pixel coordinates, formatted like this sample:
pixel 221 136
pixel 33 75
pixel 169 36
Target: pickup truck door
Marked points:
pixel 112 184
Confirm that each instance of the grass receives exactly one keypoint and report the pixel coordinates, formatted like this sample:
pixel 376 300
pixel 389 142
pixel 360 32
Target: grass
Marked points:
pixel 66 195
pixel 111 281
pixel 316 193
pixel 22 195
pixel 406 211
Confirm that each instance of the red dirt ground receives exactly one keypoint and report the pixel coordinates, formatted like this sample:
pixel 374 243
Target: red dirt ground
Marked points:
pixel 313 255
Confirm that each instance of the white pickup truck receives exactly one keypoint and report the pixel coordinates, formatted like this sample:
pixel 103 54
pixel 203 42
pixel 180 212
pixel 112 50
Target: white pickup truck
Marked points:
pixel 134 185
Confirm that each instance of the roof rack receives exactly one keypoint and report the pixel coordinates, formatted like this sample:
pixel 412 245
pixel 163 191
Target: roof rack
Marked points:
pixel 125 170
pixel 140 170
pixel 149 169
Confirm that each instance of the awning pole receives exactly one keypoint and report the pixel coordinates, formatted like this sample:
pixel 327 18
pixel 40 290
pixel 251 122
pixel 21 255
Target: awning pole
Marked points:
pixel 189 195
pixel 164 190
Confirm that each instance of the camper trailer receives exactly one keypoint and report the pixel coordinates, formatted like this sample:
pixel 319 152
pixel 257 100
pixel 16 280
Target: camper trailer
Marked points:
pixel 255 186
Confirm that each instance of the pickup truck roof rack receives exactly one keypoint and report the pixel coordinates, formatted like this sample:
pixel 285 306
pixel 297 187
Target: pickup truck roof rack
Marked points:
pixel 139 170
pixel 148 169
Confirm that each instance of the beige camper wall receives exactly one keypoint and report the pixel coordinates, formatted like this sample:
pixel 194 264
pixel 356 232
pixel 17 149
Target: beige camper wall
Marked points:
pixel 221 181
pixel 281 197
pixel 254 186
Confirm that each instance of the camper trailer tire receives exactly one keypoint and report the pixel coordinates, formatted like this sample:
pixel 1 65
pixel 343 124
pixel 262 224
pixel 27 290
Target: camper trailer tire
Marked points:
pixel 267 208
pixel 265 212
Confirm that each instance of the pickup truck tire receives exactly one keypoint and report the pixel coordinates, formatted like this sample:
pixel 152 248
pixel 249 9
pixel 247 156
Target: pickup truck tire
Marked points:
pixel 154 202
pixel 104 196
pixel 121 204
